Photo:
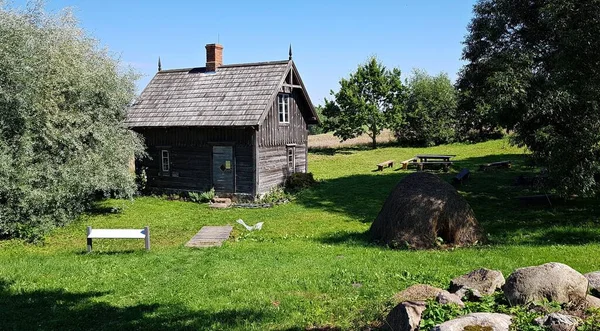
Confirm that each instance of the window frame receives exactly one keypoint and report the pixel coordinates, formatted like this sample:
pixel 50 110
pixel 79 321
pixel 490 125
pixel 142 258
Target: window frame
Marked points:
pixel 283 108
pixel 165 167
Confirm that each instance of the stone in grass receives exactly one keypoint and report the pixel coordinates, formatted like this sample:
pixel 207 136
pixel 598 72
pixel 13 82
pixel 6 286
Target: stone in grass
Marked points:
pixel 555 282
pixel 594 282
pixel 480 282
pixel 477 322
pixel 446 297
pixel 592 301
pixel 558 322
pixel 417 292
pixel 406 316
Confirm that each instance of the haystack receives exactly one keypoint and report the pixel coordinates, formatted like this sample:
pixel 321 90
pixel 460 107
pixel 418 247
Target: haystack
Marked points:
pixel 421 209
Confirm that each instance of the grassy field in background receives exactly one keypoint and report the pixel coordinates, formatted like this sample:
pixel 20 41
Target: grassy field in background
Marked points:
pixel 328 140
pixel 310 266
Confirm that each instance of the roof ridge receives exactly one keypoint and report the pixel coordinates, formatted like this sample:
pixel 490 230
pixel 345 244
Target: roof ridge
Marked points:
pixel 251 64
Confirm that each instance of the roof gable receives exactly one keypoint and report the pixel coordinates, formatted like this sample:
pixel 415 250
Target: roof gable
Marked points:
pixel 234 95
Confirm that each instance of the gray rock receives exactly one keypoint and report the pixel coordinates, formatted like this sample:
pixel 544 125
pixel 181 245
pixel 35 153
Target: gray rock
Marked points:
pixel 558 322
pixel 405 317
pixel 446 297
pixel 592 302
pixel 418 292
pixel 470 293
pixel 594 282
pixel 487 322
pixel 553 281
pixel 484 281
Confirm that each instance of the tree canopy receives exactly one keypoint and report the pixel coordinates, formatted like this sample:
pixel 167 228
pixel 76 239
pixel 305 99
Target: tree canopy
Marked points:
pixel 368 101
pixel 429 116
pixel 63 103
pixel 533 66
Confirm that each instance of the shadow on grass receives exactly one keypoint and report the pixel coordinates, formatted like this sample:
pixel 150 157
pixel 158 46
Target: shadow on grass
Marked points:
pixel 492 194
pixel 62 310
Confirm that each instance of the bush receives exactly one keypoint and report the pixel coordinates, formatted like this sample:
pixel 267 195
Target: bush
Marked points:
pixel 208 195
pixel 275 195
pixel 299 180
pixel 62 133
pixel 201 197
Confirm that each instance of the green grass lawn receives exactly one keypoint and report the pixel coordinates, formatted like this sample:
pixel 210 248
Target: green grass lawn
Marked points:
pixel 310 266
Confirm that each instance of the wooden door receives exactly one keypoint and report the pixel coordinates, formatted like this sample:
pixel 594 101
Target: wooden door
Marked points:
pixel 223 169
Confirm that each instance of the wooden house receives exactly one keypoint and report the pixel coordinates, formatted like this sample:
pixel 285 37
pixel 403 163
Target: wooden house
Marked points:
pixel 240 128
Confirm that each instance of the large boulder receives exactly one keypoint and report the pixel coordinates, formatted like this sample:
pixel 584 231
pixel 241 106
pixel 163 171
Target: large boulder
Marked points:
pixel 483 281
pixel 594 282
pixel 477 321
pixel 423 211
pixel 553 281
pixel 406 316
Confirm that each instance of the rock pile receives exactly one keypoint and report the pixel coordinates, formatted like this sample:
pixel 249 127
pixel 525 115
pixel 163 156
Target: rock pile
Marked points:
pixel 532 287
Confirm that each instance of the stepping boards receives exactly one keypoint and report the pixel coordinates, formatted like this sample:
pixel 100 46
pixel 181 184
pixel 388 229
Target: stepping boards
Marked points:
pixel 210 236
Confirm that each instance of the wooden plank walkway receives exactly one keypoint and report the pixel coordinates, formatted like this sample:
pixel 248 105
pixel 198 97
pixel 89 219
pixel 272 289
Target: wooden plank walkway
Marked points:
pixel 210 236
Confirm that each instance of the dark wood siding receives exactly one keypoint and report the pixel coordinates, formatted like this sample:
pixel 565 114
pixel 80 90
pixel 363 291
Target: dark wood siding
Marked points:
pixel 190 152
pixel 273 141
pixel 272 133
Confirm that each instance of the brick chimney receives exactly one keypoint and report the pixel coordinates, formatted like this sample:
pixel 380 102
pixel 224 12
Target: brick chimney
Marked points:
pixel 214 57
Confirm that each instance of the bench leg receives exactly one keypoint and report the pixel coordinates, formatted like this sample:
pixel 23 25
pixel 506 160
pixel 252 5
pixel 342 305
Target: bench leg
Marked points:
pixel 147 239
pixel 89 240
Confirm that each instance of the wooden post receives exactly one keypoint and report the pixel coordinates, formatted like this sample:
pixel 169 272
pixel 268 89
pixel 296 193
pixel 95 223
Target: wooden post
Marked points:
pixel 147 239
pixel 89 240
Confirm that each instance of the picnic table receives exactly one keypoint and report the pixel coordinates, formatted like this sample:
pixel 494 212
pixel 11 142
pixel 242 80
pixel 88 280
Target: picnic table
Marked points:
pixel 439 157
pixel 433 159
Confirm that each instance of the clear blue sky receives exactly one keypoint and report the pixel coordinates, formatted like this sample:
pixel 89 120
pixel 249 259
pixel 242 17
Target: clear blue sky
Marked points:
pixel 329 38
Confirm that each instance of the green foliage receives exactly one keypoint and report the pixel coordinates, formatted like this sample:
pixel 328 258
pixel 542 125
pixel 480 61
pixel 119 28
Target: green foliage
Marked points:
pixel 275 195
pixel 533 65
pixel 62 109
pixel 437 313
pixel 318 128
pixel 370 100
pixel 208 195
pixel 429 116
pixel 299 180
pixel 202 197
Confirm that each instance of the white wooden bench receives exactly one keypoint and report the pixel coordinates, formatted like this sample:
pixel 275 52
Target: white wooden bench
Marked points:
pixel 118 234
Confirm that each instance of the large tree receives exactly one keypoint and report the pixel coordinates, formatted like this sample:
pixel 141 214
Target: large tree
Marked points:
pixel 368 101
pixel 429 117
pixel 535 66
pixel 63 102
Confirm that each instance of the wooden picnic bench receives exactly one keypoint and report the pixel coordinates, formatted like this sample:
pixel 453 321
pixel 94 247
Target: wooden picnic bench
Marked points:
pixel 445 164
pixel 501 164
pixel 408 162
pixel 385 164
pixel 462 176
pixel 118 234
pixel 428 157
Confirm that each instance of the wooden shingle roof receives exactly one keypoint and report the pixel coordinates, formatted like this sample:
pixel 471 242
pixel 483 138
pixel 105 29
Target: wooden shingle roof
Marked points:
pixel 234 95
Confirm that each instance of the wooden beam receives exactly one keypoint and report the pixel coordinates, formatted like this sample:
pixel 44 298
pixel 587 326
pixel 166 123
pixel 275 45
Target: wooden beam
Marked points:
pixel 292 85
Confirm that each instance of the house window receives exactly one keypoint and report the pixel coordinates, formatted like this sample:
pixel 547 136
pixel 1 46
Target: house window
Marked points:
pixel 165 160
pixel 291 158
pixel 284 108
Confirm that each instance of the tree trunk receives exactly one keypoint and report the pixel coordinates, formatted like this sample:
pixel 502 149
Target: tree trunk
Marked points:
pixel 374 135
